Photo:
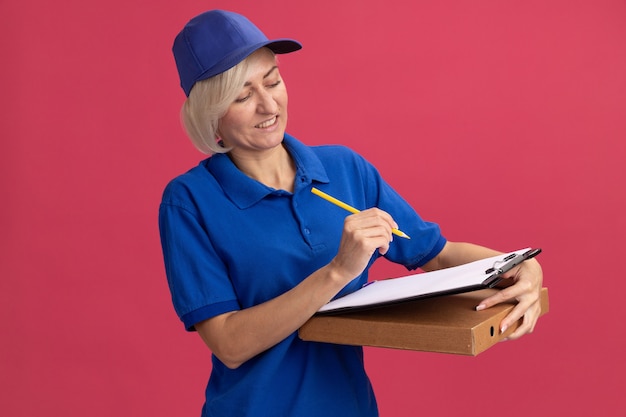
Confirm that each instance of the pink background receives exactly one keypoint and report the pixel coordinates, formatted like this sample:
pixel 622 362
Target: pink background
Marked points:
pixel 504 121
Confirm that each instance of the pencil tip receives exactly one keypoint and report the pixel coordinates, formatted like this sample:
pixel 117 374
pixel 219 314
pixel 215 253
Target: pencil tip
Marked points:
pixel 402 234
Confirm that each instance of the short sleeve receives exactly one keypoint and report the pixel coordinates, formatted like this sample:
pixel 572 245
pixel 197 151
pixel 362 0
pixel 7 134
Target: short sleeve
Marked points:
pixel 197 278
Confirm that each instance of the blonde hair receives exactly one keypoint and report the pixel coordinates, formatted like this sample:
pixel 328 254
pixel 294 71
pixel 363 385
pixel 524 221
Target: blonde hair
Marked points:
pixel 208 102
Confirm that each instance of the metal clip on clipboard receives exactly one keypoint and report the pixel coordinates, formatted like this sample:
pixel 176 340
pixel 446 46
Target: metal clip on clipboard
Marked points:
pixel 505 265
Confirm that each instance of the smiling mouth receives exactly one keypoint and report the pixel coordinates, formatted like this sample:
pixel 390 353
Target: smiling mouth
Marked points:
pixel 267 123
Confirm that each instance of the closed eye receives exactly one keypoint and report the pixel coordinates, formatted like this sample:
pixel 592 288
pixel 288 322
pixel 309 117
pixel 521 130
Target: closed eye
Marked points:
pixel 242 99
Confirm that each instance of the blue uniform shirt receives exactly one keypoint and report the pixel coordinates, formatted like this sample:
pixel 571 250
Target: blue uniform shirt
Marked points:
pixel 230 242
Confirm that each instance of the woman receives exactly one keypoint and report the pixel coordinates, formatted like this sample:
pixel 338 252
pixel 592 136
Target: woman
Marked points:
pixel 251 254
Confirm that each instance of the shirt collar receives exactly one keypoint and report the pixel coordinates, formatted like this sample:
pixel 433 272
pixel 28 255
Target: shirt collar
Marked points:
pixel 245 191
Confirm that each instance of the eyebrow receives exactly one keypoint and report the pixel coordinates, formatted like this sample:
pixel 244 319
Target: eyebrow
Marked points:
pixel 267 74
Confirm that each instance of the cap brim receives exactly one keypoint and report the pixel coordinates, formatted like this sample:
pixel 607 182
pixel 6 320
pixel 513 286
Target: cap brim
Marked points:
pixel 284 46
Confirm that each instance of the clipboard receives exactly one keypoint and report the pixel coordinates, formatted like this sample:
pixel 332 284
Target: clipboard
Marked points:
pixel 481 274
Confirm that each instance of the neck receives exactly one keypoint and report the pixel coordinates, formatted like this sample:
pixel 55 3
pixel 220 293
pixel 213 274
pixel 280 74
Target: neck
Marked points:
pixel 274 168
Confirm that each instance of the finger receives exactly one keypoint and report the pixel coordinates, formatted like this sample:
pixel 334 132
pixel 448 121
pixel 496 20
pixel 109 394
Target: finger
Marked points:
pixel 369 227
pixel 528 316
pixel 384 248
pixel 523 329
pixel 380 215
pixel 520 290
pixel 501 296
pixel 360 242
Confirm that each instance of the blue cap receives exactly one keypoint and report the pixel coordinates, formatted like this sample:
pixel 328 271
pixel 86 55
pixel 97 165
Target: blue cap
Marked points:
pixel 216 41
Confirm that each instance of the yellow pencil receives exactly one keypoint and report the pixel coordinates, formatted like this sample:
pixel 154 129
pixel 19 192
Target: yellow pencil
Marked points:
pixel 350 208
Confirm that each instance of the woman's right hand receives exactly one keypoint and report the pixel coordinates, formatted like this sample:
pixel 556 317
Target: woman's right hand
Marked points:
pixel 363 233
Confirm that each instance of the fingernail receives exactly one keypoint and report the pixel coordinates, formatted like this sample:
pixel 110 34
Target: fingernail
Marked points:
pixel 503 329
pixel 480 307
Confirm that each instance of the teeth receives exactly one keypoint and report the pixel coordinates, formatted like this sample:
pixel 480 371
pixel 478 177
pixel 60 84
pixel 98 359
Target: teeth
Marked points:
pixel 267 123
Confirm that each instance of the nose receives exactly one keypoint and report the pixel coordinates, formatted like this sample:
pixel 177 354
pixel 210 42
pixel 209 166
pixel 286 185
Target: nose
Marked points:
pixel 267 104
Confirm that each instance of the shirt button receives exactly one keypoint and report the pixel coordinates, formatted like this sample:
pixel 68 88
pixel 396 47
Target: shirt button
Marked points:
pixel 307 231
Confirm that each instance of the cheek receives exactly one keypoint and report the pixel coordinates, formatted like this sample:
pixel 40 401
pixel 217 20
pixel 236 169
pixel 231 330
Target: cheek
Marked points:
pixel 229 122
pixel 224 128
pixel 285 98
pixel 284 101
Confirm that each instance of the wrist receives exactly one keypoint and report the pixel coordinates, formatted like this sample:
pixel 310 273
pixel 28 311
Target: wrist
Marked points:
pixel 337 274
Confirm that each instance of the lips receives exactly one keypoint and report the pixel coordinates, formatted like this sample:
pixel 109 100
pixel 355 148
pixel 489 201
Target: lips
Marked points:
pixel 267 123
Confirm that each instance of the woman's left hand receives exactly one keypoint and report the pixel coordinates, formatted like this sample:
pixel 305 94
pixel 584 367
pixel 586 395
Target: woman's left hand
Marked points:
pixel 526 289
